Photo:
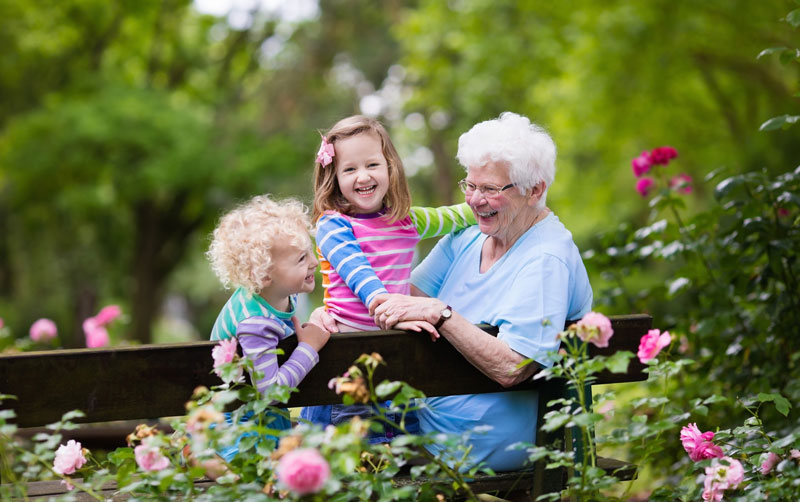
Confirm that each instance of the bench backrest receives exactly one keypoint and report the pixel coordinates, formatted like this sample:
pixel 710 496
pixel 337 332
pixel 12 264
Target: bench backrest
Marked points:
pixel 151 381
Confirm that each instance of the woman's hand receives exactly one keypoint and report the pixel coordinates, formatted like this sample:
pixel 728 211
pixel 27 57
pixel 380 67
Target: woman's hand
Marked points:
pixel 395 308
pixel 323 320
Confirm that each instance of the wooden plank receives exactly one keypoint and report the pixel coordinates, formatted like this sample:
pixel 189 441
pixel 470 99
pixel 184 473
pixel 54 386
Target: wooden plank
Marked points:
pixel 151 381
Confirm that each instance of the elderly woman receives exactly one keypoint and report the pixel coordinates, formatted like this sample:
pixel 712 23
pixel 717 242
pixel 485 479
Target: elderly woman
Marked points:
pixel 518 269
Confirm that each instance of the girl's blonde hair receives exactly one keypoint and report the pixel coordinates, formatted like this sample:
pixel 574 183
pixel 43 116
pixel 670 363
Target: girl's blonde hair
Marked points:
pixel 328 195
pixel 241 247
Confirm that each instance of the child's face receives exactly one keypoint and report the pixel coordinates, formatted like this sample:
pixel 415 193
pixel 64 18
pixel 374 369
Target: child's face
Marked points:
pixel 362 172
pixel 292 269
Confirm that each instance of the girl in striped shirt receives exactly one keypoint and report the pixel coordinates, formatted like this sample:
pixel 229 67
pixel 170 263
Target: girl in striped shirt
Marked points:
pixel 366 231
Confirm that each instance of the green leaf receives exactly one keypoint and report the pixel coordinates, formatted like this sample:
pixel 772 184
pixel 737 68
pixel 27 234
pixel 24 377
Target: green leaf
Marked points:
pixel 781 403
pixel 793 18
pixel 386 388
pixel 782 121
pixel 618 362
pixel 771 50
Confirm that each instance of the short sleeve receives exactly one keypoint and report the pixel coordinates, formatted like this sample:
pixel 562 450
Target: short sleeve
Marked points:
pixel 430 274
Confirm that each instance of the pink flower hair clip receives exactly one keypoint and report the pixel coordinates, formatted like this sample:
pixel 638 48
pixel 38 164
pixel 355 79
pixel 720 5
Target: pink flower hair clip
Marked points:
pixel 326 153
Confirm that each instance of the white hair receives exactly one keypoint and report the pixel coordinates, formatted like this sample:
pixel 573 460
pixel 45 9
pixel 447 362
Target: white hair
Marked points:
pixel 512 140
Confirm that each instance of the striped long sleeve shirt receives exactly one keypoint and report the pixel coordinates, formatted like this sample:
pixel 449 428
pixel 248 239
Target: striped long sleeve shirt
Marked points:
pixel 362 256
pixel 259 328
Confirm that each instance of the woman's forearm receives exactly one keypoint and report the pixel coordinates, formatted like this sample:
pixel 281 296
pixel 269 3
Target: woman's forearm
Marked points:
pixel 492 356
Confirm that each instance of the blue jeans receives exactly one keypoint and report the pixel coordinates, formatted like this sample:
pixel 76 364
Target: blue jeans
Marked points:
pixel 339 413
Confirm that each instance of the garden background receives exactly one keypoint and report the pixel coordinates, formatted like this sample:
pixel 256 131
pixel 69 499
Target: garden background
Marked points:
pixel 128 127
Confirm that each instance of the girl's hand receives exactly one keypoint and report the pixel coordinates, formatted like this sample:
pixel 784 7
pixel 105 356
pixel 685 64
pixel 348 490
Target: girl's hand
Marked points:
pixel 323 320
pixel 418 326
pixel 311 334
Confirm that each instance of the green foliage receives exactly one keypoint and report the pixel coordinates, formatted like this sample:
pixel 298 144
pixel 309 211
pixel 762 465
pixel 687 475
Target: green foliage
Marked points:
pixel 360 470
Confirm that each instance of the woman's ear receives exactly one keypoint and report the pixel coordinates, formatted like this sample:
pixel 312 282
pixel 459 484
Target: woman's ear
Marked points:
pixel 536 193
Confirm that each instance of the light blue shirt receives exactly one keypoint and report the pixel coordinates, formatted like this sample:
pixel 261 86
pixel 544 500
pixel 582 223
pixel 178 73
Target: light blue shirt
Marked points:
pixel 528 294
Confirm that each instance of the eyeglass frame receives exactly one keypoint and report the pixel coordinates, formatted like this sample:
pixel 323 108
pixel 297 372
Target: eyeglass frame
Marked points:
pixel 494 190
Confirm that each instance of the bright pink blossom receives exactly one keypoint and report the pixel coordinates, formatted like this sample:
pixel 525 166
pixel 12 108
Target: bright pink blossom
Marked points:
pixel 150 458
pixel 96 334
pixel 224 352
pixel 303 471
pixel 108 314
pixel 644 185
pixel 652 343
pixel 69 457
pixel 326 153
pixel 1 323
pixel 641 164
pixel 663 154
pixel 43 330
pixel 595 328
pixel 698 445
pixel 723 474
pixel 681 183
pixel 769 462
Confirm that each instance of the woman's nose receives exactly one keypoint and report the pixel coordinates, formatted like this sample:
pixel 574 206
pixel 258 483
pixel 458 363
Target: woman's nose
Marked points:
pixel 475 198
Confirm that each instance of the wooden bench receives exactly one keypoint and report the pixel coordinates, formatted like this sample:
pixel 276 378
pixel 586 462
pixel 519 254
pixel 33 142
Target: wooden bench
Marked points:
pixel 151 381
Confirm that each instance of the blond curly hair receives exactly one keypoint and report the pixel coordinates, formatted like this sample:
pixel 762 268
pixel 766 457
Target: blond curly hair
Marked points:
pixel 241 247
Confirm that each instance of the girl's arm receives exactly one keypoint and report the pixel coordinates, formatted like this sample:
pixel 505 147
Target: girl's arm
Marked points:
pixel 437 221
pixel 337 243
pixel 258 336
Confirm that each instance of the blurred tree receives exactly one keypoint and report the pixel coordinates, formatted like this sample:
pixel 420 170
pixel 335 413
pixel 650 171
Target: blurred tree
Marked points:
pixel 126 128
pixel 608 80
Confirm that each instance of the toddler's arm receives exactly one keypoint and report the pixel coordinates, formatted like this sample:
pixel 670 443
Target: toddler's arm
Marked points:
pixel 437 221
pixel 258 335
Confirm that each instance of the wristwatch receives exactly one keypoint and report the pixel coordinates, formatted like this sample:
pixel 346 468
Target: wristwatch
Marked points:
pixel 444 315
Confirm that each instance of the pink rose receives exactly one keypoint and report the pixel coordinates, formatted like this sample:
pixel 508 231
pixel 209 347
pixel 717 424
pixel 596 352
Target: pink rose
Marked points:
pixel 770 462
pixel 108 314
pixel 1 323
pixel 641 164
pixel 150 458
pixel 723 474
pixel 223 353
pixel 663 154
pixel 681 183
pixel 595 328
pixel 652 343
pixel 96 334
pixel 303 471
pixel 69 458
pixel 43 330
pixel 698 445
pixel 644 185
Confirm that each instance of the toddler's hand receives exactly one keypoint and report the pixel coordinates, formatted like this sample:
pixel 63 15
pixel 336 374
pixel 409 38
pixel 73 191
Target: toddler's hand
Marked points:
pixel 323 320
pixel 311 334
pixel 418 326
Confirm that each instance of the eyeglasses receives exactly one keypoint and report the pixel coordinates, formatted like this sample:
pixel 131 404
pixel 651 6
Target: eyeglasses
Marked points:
pixel 486 190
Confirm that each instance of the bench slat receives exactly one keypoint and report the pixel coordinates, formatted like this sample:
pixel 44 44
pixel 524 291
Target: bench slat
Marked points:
pixel 151 381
